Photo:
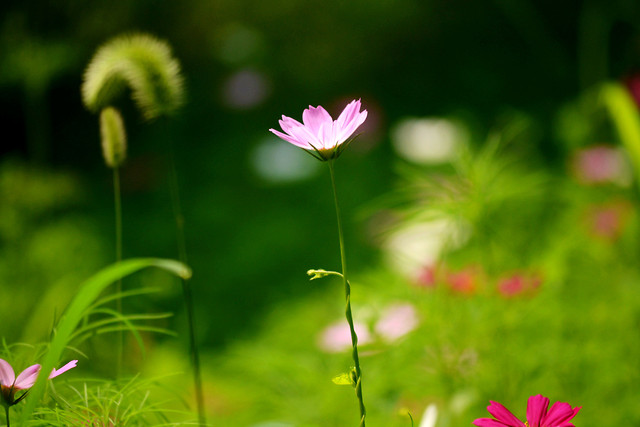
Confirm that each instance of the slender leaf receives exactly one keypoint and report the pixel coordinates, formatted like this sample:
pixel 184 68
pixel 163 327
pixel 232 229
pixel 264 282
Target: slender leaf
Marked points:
pixel 87 294
pixel 625 117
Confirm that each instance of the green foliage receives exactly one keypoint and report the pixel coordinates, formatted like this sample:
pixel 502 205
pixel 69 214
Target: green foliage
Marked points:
pixel 141 62
pixel 624 114
pixel 47 246
pixel 571 336
pixel 106 403
pixel 111 320
pixel 84 299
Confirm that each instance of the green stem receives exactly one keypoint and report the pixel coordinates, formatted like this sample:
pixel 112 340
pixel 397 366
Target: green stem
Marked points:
pixel 186 289
pixel 117 199
pixel 6 410
pixel 347 292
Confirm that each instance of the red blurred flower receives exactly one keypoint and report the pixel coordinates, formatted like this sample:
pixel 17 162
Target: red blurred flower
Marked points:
pixel 464 281
pixel 607 221
pixel 518 284
pixel 426 277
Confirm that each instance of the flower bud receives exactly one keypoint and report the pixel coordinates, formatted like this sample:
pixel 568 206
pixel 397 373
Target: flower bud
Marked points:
pixel 320 273
pixel 114 139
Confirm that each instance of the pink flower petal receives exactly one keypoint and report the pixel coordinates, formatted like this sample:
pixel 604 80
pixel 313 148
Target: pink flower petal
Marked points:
pixel 350 127
pixel 314 117
pixel 488 422
pixel 326 135
pixel 503 415
pixel 287 123
pixel 303 135
pixel 291 139
pixel 559 415
pixel 537 409
pixel 7 376
pixel 27 378
pixel 65 368
pixel 348 114
pixel 537 416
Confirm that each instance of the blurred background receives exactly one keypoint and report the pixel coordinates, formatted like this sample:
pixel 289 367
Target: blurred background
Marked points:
pixel 490 203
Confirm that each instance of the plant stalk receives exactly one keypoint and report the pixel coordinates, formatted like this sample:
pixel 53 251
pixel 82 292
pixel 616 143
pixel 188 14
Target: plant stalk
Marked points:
pixel 186 290
pixel 6 410
pixel 117 199
pixel 347 292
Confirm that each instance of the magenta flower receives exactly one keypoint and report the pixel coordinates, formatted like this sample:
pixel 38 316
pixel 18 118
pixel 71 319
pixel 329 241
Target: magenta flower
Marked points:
pixel 27 378
pixel 538 414
pixel 319 134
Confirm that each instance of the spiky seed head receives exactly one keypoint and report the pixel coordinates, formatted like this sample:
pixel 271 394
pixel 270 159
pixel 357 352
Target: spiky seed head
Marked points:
pixel 114 138
pixel 144 64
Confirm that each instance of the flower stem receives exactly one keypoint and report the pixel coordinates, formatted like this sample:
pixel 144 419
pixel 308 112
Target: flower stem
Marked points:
pixel 186 289
pixel 117 199
pixel 347 292
pixel 6 410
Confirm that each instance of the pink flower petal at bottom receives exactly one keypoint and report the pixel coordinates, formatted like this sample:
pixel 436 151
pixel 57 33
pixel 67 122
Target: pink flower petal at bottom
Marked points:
pixel 559 415
pixel 7 376
pixel 65 368
pixel 538 415
pixel 27 378
pixel 537 409
pixel 489 422
pixel 502 414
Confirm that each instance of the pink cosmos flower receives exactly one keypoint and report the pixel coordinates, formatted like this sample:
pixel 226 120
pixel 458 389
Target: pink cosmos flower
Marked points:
pixel 9 384
pixel 538 414
pixel 318 133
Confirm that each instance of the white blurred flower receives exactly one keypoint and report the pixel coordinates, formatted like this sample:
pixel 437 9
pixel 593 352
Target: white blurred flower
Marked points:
pixel 397 321
pixel 427 140
pixel 412 247
pixel 430 416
